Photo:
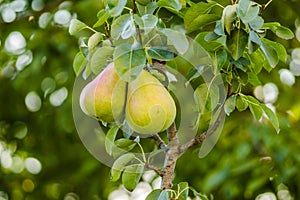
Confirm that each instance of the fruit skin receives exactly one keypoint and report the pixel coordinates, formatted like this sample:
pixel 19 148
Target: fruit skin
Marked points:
pixel 150 108
pixel 104 97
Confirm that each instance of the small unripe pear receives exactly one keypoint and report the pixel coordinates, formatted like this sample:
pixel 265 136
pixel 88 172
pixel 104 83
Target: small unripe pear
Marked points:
pixel 150 108
pixel 104 97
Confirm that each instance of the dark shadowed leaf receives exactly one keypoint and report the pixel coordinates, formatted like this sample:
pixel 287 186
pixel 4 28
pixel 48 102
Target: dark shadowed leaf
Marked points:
pixel 237 43
pixel 160 53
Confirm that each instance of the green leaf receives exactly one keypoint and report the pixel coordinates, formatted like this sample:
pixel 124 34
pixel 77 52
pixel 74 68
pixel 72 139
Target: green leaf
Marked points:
pixel 251 13
pixel 148 9
pixel 173 4
pixel 125 144
pixel 115 7
pixel 270 53
pixel 237 43
pixel 123 27
pixel 283 33
pixel 158 194
pixel 148 22
pixel 79 63
pixel 76 26
pixel 132 175
pixel 257 22
pixel 243 6
pixel 279 48
pixel 202 21
pixel 241 103
pixel 272 117
pixel 221 56
pixel 160 53
pixel 119 165
pixel 129 61
pixel 100 58
pixel 230 105
pixel 228 17
pixel 207 45
pixel 110 138
pixel 102 15
pixel 183 191
pixel 253 79
pixel 256 62
pixel 255 107
pixel 207 97
pixel 94 40
pixel 195 11
pixel 177 39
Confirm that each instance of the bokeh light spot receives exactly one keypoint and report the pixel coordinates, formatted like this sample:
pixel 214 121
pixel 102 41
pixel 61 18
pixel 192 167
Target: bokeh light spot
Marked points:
pixel 33 165
pixel 8 14
pixel 28 185
pixel 59 96
pixel 37 5
pixel 33 101
pixel 24 60
pixel 15 43
pixel 62 17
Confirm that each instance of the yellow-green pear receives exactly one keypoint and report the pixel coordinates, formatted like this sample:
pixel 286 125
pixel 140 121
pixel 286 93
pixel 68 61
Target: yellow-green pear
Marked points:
pixel 150 108
pixel 104 97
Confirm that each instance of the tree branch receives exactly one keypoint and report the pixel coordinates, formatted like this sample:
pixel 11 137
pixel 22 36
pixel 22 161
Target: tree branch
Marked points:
pixel 200 138
pixel 171 158
pixel 156 169
pixel 160 143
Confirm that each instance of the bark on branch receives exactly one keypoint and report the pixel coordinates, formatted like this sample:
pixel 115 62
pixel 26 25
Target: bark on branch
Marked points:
pixel 171 158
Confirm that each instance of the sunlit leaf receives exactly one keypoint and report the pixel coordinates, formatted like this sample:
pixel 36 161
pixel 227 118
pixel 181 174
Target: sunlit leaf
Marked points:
pixel 272 116
pixel 129 61
pixel 100 58
pixel 173 4
pixel 116 7
pixel 79 63
pixel 195 11
pixel 270 53
pixel 123 27
pixel 228 17
pixel 94 40
pixel 255 107
pixel 147 9
pixel 110 138
pixel 207 97
pixel 177 39
pixel 76 26
pixel 202 21
pixel 119 165
pixel 241 103
pixel 230 104
pixel 158 194
pixel 132 175
pixel 183 189
pixel 102 15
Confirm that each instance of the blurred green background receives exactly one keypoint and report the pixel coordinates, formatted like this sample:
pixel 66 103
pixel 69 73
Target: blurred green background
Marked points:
pixel 42 157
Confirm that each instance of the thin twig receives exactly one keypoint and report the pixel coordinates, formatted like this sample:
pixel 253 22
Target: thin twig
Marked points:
pixel 156 169
pixel 160 143
pixel 107 33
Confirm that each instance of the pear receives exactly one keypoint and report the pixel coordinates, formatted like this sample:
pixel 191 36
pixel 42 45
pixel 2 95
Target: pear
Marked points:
pixel 149 108
pixel 104 97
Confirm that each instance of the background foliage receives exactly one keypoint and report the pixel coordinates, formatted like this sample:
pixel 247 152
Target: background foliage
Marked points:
pixel 42 156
